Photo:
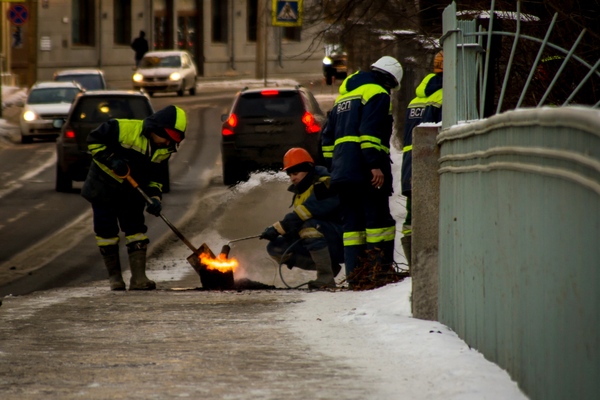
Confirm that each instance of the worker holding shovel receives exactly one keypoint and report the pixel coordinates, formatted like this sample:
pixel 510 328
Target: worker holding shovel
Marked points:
pixel 310 236
pixel 134 148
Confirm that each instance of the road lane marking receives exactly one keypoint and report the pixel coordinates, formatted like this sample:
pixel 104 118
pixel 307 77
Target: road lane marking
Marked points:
pixel 17 217
pixel 18 183
pixel 46 250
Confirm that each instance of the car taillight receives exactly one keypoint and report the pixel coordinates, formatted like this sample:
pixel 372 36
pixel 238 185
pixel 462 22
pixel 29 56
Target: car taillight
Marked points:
pixel 311 124
pixel 229 124
pixel 70 134
pixel 269 92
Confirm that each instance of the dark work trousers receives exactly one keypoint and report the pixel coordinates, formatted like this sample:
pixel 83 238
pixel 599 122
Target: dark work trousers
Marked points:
pixel 299 254
pixel 368 226
pixel 126 214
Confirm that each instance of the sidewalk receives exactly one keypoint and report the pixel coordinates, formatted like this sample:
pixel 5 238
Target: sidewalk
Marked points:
pixel 95 344
pixel 88 342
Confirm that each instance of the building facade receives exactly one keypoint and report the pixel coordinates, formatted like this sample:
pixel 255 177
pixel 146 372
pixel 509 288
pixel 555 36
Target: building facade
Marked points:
pixel 224 37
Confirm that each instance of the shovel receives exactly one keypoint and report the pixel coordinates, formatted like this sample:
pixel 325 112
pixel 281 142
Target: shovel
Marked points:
pixel 193 259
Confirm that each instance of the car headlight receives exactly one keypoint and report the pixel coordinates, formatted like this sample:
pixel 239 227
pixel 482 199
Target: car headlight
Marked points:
pixel 138 77
pixel 29 115
pixel 175 76
pixel 327 61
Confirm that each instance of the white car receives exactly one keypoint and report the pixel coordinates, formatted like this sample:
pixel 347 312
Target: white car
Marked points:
pixel 46 101
pixel 166 71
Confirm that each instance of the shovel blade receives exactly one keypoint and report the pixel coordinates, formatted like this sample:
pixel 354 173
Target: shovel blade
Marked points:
pixel 211 279
pixel 194 258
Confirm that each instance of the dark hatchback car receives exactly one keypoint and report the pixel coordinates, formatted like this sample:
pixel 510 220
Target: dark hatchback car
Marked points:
pixel 88 78
pixel 89 110
pixel 263 124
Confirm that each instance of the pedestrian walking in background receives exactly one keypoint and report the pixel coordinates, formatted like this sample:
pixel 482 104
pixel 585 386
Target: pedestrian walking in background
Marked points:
pixel 122 147
pixel 356 148
pixel 140 46
pixel 431 84
pixel 313 228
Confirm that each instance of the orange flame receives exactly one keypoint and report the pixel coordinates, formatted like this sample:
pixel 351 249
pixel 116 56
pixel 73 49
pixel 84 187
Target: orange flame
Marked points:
pixel 220 263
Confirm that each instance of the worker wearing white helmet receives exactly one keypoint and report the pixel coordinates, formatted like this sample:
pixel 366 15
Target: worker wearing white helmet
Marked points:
pixel 356 147
pixel 390 69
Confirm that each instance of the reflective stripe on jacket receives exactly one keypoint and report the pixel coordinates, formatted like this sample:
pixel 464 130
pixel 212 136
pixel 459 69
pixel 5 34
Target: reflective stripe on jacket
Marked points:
pixel 306 205
pixel 356 138
pixel 414 116
pixel 128 141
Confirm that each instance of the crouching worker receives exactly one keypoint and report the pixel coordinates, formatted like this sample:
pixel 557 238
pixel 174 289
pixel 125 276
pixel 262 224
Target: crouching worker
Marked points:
pixel 313 228
pixel 139 148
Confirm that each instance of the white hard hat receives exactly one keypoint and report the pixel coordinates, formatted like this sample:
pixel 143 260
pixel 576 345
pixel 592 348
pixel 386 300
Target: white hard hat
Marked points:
pixel 391 66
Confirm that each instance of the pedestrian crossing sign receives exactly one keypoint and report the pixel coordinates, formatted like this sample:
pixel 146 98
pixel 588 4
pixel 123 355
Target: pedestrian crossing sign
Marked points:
pixel 287 13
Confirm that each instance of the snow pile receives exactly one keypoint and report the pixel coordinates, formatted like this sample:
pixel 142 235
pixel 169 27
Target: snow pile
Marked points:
pixel 12 95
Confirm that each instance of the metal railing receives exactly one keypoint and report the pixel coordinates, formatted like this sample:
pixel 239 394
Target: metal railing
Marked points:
pixel 519 212
pixel 465 57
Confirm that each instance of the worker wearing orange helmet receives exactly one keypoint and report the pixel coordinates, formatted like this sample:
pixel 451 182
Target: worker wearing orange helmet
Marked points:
pixel 310 235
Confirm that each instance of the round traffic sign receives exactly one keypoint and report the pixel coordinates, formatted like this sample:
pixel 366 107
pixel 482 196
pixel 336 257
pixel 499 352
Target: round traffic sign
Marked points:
pixel 18 14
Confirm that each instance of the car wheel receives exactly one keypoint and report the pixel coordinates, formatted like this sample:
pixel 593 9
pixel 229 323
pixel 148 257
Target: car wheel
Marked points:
pixel 150 94
pixel 329 78
pixel 233 172
pixel 64 184
pixel 181 91
pixel 26 139
pixel 193 88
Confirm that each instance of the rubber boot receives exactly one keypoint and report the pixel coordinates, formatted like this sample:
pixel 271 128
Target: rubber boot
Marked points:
pixel 110 254
pixel 324 271
pixel 407 248
pixel 137 265
pixel 306 263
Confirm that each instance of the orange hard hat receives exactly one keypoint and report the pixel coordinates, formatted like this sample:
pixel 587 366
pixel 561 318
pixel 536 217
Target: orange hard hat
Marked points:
pixel 438 62
pixel 296 156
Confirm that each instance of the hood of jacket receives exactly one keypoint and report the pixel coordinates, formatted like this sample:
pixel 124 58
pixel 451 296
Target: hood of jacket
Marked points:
pixel 356 80
pixel 171 117
pixel 429 85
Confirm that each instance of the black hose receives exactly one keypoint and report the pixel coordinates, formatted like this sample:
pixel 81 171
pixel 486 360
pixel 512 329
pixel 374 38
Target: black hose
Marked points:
pixel 281 263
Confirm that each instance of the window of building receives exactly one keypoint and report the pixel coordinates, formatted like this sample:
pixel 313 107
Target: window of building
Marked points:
pixel 219 21
pixel 186 31
pixel 292 33
pixel 84 22
pixel 252 22
pixel 122 21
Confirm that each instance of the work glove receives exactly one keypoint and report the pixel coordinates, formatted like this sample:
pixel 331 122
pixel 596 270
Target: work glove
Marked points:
pixel 155 207
pixel 118 166
pixel 269 233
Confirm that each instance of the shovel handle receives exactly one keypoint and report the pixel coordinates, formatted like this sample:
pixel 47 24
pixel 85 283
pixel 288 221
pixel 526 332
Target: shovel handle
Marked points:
pixel 135 185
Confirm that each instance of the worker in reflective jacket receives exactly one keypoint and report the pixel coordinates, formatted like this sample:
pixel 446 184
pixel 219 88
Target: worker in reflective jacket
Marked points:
pixel 140 148
pixel 310 236
pixel 430 85
pixel 356 147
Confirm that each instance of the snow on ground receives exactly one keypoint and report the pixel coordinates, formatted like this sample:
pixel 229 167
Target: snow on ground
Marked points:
pixel 12 95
